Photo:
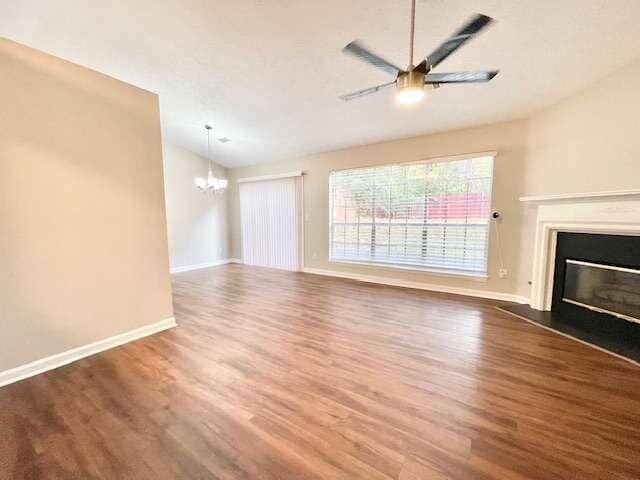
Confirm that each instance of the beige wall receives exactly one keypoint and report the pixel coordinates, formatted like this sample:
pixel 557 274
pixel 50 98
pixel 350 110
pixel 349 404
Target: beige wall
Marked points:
pixel 586 142
pixel 589 141
pixel 508 139
pixel 196 223
pixel 83 248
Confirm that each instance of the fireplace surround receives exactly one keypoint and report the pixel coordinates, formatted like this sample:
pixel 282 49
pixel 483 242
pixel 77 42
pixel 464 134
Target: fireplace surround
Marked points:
pixel 612 213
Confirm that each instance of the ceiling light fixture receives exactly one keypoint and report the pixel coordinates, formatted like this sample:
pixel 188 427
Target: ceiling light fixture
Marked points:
pixel 410 88
pixel 211 184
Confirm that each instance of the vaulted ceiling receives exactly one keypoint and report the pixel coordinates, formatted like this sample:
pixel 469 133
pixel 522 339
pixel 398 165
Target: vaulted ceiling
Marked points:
pixel 267 73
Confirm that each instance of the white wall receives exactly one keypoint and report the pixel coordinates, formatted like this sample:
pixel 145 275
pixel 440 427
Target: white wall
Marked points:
pixel 196 223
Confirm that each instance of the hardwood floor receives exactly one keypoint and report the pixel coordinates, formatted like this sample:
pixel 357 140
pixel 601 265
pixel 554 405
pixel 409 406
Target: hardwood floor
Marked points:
pixel 279 375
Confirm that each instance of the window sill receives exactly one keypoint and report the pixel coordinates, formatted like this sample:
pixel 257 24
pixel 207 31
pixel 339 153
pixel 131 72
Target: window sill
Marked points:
pixel 476 276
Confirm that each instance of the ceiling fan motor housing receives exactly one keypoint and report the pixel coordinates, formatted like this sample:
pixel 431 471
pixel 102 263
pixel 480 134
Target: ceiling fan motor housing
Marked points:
pixel 410 80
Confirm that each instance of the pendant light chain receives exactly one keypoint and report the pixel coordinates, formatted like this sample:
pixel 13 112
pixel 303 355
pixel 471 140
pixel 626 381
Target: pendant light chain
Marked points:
pixel 209 148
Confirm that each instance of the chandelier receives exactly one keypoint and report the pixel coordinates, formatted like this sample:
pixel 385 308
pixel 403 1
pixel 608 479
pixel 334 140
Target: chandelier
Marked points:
pixel 211 184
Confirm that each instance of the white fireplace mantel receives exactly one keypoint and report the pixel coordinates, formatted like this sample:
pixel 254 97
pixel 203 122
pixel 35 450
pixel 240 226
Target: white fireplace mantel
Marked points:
pixel 616 212
pixel 576 197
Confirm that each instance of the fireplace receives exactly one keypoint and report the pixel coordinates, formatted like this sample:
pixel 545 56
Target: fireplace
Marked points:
pixel 596 283
pixel 585 276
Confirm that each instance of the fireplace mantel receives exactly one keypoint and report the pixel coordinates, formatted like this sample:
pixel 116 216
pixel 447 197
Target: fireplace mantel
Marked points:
pixel 614 212
pixel 581 197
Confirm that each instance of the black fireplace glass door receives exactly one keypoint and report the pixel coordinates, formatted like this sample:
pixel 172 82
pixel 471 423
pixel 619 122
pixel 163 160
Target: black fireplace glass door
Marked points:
pixel 603 288
pixel 596 283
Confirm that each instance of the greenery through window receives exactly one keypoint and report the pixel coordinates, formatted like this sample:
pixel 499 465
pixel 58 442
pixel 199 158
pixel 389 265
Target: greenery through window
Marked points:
pixel 432 215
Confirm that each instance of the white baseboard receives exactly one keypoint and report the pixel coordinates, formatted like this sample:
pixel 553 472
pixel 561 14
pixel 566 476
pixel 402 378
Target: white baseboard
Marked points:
pixel 64 358
pixel 197 266
pixel 508 297
pixel 235 260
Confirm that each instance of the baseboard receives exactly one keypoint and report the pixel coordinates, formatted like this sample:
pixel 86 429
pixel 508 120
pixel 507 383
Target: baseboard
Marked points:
pixel 64 358
pixel 197 266
pixel 235 260
pixel 507 297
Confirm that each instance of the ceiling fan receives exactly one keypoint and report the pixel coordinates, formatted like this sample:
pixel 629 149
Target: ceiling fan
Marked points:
pixel 412 82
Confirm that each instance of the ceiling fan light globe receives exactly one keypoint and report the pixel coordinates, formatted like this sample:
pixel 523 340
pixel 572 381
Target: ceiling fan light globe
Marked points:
pixel 410 95
pixel 410 87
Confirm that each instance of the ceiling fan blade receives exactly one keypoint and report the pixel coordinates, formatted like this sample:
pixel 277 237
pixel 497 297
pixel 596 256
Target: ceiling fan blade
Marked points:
pixel 366 91
pixel 460 77
pixel 358 50
pixel 475 25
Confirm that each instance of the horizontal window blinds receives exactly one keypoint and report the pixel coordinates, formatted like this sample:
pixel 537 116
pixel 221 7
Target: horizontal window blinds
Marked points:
pixel 430 215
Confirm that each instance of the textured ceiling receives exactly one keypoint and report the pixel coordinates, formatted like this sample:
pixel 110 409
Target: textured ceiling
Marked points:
pixel 267 73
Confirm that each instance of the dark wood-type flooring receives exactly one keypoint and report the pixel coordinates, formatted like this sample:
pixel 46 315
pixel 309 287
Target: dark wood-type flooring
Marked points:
pixel 280 375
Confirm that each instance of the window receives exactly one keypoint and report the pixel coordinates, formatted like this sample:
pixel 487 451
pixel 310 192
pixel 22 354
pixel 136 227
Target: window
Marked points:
pixel 429 215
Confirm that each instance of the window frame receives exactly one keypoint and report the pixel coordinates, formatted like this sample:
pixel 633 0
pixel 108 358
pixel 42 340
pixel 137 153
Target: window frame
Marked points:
pixel 444 271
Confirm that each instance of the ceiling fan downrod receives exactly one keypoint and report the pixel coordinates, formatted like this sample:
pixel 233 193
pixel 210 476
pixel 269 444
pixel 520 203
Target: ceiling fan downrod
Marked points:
pixel 412 34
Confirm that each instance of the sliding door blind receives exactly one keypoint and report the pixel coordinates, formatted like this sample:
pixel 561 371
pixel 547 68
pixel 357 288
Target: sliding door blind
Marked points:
pixel 270 222
pixel 432 215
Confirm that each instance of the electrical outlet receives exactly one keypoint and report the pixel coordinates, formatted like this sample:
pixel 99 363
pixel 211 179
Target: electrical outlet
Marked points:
pixel 314 255
pixel 504 273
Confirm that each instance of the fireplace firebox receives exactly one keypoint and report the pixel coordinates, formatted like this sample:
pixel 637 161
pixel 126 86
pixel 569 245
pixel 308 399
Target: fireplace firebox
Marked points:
pixel 596 284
